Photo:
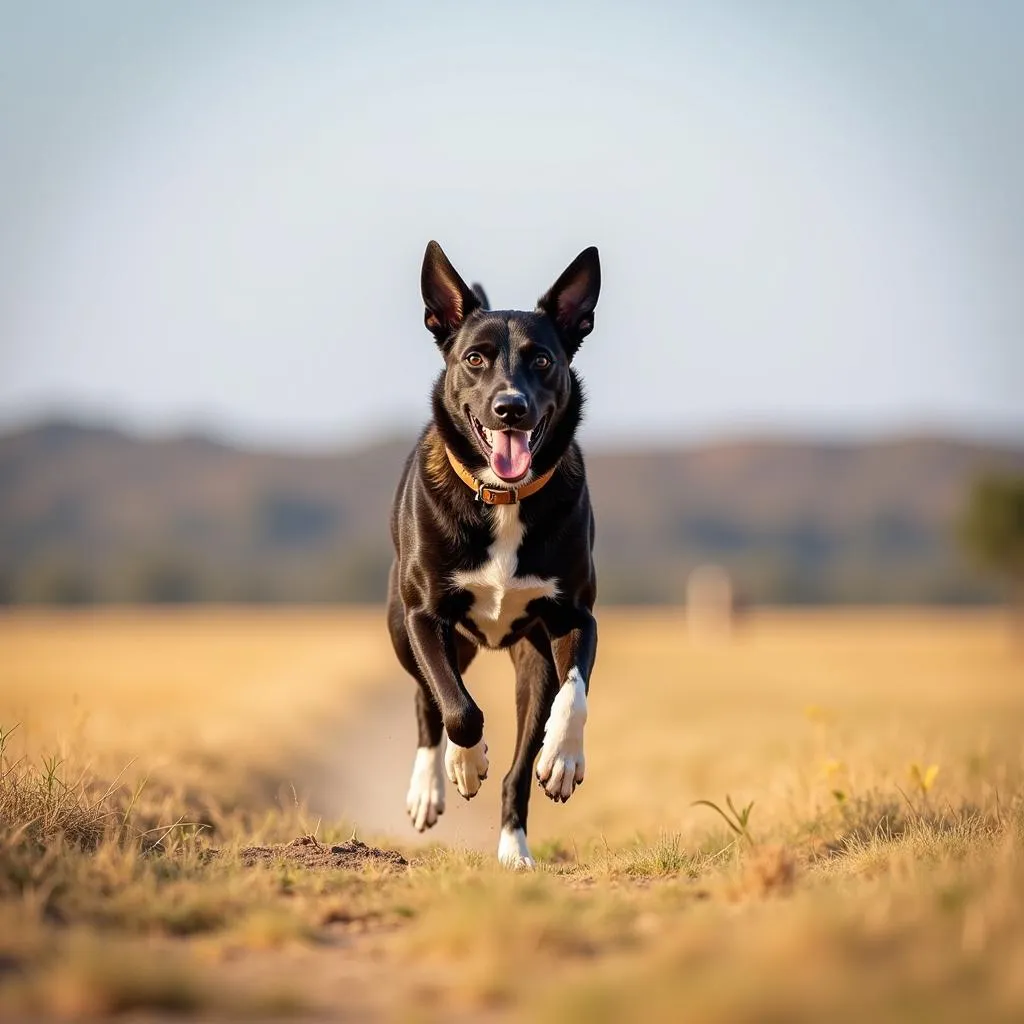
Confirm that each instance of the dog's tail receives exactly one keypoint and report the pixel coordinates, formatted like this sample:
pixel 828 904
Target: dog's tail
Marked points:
pixel 478 291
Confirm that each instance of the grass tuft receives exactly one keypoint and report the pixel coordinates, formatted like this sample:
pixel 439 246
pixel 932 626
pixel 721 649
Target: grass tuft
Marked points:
pixel 39 802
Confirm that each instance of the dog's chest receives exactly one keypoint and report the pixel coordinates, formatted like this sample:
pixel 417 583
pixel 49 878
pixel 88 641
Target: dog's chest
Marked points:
pixel 500 596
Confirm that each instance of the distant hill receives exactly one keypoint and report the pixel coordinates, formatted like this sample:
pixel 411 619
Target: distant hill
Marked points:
pixel 97 514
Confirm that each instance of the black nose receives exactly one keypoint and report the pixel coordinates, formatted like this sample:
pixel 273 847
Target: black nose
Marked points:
pixel 510 406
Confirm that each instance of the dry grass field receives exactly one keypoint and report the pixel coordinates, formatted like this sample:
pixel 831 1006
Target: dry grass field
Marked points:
pixel 878 874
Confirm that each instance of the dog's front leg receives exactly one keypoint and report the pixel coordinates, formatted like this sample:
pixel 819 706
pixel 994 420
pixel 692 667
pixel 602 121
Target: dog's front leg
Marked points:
pixel 465 757
pixel 561 765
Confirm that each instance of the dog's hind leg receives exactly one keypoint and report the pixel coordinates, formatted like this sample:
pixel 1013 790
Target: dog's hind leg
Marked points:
pixel 465 766
pixel 425 799
pixel 435 646
pixel 536 686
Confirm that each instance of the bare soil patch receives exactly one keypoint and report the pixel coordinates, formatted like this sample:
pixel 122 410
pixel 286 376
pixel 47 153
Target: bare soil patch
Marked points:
pixel 311 853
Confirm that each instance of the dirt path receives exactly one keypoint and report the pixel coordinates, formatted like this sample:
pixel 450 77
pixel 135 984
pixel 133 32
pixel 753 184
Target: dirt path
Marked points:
pixel 368 774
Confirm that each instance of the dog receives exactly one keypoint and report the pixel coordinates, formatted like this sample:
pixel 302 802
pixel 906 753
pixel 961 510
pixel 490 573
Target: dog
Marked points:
pixel 493 533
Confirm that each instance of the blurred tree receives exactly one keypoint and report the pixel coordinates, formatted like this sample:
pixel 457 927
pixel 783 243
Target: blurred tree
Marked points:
pixel 165 578
pixel 992 529
pixel 56 581
pixel 358 575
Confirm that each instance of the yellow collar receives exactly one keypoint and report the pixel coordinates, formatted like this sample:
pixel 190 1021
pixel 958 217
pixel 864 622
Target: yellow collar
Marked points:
pixel 497 495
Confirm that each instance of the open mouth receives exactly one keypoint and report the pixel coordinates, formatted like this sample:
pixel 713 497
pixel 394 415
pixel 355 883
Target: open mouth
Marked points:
pixel 509 452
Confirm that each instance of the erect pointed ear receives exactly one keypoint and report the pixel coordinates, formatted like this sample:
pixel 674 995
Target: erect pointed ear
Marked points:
pixel 571 300
pixel 448 299
pixel 478 291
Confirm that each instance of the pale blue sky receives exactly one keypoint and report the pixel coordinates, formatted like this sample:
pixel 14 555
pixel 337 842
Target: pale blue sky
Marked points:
pixel 810 215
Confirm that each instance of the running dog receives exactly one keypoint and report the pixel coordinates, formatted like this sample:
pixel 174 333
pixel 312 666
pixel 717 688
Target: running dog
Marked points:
pixel 493 533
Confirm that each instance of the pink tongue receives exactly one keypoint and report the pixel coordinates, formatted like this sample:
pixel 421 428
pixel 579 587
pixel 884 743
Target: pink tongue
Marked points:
pixel 510 456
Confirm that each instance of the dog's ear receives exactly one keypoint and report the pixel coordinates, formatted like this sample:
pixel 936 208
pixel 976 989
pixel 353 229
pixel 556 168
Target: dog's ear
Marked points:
pixel 571 299
pixel 448 299
pixel 478 291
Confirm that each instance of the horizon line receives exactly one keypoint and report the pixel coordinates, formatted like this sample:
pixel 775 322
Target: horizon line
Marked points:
pixel 1006 437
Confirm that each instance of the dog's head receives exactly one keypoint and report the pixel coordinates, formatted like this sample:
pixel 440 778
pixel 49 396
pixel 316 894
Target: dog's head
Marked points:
pixel 508 399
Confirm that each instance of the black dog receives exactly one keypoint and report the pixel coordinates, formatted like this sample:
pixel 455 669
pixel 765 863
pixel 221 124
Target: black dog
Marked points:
pixel 493 534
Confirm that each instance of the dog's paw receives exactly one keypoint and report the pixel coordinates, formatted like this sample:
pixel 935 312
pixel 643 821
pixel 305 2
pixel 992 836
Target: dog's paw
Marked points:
pixel 561 765
pixel 513 853
pixel 425 799
pixel 466 767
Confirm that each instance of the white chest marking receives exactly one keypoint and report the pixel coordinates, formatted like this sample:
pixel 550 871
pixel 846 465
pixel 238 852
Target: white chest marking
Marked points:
pixel 499 595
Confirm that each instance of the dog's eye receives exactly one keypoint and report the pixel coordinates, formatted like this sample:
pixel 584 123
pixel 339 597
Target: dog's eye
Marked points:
pixel 475 360
pixel 542 361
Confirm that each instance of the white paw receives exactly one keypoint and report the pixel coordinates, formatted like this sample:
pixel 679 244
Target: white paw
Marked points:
pixel 466 767
pixel 425 799
pixel 561 764
pixel 513 852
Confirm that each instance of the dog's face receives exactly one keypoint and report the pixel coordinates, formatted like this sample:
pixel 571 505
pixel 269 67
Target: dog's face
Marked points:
pixel 508 394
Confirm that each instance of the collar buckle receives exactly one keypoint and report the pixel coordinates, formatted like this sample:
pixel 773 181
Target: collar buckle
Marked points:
pixel 491 497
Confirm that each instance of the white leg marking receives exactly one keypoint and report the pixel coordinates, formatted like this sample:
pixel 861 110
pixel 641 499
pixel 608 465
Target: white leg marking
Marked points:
pixel 466 767
pixel 513 851
pixel 561 764
pixel 425 799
